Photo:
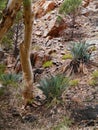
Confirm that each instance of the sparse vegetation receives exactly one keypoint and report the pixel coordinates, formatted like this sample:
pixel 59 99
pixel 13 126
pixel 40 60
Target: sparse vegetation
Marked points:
pixel 9 79
pixel 51 50
pixel 53 86
pixel 7 42
pixel 94 80
pixel 67 56
pixel 47 64
pixel 95 74
pixel 70 7
pixel 81 54
pixel 74 82
pixel 64 125
pixel 80 51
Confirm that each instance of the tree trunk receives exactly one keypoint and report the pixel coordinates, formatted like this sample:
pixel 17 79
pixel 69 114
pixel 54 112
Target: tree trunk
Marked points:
pixel 9 15
pixel 25 51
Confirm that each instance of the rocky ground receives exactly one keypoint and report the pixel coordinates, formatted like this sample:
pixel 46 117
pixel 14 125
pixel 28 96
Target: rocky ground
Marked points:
pixel 79 108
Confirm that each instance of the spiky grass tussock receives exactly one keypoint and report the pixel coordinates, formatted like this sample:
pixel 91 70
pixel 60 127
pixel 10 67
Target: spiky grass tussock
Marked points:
pixel 81 54
pixel 80 51
pixel 9 79
pixel 53 86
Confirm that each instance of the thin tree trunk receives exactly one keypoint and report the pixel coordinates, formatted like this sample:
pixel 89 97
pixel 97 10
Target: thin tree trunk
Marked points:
pixel 25 51
pixel 9 15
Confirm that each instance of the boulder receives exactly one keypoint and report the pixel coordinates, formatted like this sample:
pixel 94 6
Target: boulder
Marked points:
pixel 42 7
pixel 87 113
pixel 55 28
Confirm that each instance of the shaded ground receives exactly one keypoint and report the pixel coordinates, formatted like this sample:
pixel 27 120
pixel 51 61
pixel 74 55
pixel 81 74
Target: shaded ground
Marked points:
pixel 78 109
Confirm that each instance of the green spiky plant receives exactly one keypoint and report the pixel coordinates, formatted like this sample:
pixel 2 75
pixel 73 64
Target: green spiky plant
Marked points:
pixel 81 55
pixel 53 86
pixel 70 7
pixel 80 51
pixel 9 79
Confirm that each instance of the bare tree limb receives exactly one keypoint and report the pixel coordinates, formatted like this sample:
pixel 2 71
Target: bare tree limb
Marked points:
pixel 9 15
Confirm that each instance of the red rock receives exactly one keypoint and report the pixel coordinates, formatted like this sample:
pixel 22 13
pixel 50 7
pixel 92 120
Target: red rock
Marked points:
pixel 48 6
pixel 40 13
pixel 42 7
pixel 55 28
pixel 37 8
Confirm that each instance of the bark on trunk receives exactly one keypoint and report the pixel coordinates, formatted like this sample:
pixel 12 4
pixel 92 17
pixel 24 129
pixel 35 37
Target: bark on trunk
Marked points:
pixel 25 52
pixel 9 15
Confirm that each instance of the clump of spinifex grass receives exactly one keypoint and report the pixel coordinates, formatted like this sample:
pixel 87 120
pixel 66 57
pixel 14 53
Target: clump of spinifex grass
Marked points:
pixel 53 86
pixel 81 55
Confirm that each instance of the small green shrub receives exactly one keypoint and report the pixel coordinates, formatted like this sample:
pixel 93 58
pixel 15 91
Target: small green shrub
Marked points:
pixel 81 54
pixel 79 51
pixel 95 74
pixel 74 82
pixel 69 6
pixel 9 79
pixel 67 56
pixel 47 64
pixel 53 86
pixel 64 124
pixel 92 82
